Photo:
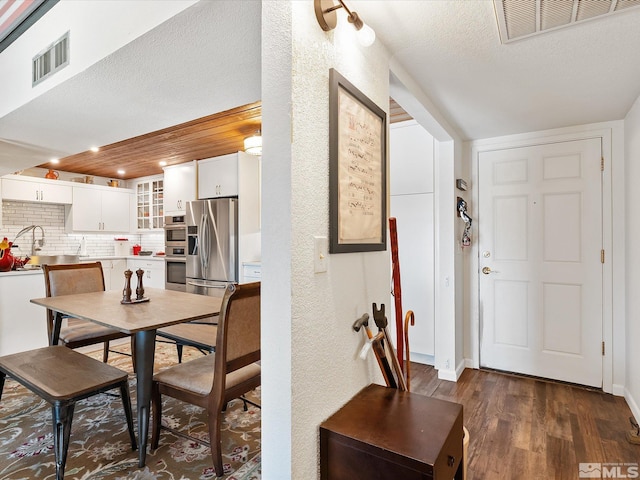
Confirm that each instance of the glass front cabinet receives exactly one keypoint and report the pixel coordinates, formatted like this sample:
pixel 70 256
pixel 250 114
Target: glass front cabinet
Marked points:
pixel 149 201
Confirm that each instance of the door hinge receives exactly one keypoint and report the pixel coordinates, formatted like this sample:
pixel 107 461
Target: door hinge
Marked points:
pixel 602 256
pixel 602 164
pixel 603 349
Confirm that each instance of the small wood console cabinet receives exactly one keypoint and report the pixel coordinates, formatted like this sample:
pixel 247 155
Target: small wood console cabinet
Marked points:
pixel 384 433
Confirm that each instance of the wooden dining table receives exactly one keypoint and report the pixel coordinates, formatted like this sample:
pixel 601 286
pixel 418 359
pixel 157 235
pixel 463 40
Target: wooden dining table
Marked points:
pixel 164 308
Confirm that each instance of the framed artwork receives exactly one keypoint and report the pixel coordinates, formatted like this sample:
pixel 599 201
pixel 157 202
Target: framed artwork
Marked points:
pixel 357 170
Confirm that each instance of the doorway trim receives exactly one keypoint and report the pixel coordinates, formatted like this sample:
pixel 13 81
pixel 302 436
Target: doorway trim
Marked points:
pixel 612 151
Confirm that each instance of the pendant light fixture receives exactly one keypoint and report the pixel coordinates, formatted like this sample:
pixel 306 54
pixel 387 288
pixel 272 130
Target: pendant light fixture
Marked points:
pixel 253 144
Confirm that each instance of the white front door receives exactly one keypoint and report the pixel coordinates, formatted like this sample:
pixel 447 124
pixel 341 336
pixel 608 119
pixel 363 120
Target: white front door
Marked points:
pixel 540 243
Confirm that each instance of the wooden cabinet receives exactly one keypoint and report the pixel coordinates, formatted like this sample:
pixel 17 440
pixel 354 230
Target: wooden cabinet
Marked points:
pixel 150 204
pixel 99 209
pixel 179 187
pixel 218 176
pixel 387 433
pixel 32 189
pixel 153 276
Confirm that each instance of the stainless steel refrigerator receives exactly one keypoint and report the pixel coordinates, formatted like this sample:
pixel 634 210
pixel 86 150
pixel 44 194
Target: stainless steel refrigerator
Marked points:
pixel 212 245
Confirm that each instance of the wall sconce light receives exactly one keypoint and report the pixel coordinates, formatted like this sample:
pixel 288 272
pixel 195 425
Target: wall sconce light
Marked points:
pixel 328 18
pixel 253 144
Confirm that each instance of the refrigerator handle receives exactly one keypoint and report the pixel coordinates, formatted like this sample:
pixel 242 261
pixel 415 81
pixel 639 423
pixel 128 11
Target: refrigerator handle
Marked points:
pixel 202 234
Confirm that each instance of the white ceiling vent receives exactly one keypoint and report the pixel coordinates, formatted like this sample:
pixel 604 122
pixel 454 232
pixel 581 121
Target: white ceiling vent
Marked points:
pixel 50 60
pixel 518 19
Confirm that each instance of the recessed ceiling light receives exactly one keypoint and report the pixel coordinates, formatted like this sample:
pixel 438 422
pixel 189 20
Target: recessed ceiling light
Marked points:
pixel 95 149
pixel 121 172
pixel 162 163
pixel 55 161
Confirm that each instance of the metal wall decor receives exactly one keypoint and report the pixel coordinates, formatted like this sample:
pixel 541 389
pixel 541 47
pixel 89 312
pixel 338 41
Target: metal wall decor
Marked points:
pixel 357 170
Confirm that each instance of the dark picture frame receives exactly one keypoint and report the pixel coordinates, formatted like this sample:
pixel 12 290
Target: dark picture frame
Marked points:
pixel 357 170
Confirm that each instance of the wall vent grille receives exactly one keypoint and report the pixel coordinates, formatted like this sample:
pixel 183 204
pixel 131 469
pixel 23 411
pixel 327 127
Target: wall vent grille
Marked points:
pixel 52 59
pixel 518 19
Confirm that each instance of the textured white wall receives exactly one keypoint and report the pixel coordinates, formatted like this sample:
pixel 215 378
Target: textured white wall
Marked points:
pixel 118 22
pixel 324 370
pixel 632 170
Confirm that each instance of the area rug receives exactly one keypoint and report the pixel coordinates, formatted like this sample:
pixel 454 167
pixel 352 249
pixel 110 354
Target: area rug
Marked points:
pixel 100 448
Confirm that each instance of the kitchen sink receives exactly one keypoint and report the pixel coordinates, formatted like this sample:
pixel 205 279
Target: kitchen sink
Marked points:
pixel 53 259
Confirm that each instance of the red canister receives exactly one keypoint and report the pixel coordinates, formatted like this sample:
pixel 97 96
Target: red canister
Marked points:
pixel 136 249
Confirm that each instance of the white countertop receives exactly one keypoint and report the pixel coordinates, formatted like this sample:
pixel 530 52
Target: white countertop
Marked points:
pixel 38 271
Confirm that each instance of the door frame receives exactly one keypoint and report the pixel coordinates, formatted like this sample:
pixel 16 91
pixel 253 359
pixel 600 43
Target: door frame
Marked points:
pixel 611 150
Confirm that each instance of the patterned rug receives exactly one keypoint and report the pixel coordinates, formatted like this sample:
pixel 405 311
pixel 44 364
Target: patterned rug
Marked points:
pixel 100 448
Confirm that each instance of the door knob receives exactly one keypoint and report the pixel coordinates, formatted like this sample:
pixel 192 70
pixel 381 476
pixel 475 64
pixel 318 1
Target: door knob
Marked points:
pixel 487 270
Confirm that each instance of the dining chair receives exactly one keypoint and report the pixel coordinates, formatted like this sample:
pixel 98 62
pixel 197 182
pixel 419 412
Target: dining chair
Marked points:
pixel 62 376
pixel 66 279
pixel 213 380
pixel 199 334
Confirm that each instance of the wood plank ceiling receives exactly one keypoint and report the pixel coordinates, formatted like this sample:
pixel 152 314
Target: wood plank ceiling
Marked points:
pixel 204 137
pixel 140 156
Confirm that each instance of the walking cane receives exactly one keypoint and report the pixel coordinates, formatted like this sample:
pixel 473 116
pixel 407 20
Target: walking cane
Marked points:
pixel 381 321
pixel 375 342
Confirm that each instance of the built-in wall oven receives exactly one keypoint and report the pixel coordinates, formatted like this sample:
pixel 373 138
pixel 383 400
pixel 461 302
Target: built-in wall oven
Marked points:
pixel 175 251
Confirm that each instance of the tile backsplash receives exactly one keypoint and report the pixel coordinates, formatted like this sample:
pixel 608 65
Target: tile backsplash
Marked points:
pixel 17 215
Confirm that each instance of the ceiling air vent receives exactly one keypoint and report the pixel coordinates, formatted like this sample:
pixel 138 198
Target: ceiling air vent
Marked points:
pixel 519 19
pixel 51 59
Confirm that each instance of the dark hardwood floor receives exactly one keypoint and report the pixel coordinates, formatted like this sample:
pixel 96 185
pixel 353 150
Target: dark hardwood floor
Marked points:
pixel 527 428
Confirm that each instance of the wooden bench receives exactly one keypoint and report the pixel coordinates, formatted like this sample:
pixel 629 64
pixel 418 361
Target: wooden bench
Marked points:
pixel 62 376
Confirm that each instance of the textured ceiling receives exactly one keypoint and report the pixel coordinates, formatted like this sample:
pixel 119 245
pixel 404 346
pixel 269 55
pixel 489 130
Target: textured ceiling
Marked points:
pixel 518 19
pixel 450 48
pixel 571 76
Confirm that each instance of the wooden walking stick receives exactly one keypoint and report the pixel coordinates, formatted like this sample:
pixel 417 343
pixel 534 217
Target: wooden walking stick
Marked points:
pixel 402 332
pixel 375 342
pixel 381 321
pixel 397 292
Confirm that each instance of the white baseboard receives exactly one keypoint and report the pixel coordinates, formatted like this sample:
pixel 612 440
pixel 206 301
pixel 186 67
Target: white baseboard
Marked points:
pixel 449 375
pixel 423 358
pixel 452 375
pixel 469 363
pixel 633 405
pixel 617 390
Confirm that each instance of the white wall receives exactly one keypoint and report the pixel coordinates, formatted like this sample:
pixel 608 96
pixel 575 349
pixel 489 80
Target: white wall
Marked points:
pixel 118 26
pixel 310 353
pixel 632 170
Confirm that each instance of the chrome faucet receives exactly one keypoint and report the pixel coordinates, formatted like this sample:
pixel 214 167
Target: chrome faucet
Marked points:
pixel 36 245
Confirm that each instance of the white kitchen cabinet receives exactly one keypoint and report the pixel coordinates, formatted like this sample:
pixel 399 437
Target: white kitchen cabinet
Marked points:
pixel 412 203
pixel 218 176
pixel 153 276
pixel 33 189
pixel 150 204
pixel 99 209
pixel 411 154
pixel 179 187
pixel 251 272
pixel 113 272
pixel 23 324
